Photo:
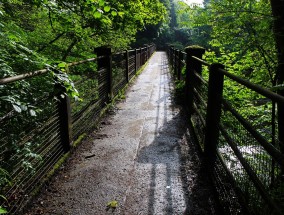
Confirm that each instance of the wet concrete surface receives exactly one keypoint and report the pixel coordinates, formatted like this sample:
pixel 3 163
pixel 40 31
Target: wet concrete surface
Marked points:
pixel 140 157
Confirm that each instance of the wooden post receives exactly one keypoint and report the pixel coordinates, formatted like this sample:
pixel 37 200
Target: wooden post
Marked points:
pixel 192 66
pixel 213 114
pixel 127 66
pixel 106 62
pixel 64 110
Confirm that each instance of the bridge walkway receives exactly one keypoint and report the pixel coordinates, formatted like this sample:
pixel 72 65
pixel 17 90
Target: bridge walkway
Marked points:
pixel 141 157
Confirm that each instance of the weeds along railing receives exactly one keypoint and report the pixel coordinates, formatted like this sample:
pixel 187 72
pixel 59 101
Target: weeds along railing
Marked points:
pixel 240 136
pixel 39 126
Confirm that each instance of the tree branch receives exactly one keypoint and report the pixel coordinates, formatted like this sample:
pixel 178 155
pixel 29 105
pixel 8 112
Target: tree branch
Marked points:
pixel 52 41
pixel 69 49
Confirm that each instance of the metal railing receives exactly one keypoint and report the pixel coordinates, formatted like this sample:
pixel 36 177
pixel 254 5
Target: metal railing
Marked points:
pixel 241 140
pixel 35 138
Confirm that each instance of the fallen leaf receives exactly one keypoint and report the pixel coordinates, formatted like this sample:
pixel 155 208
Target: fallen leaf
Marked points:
pixel 112 204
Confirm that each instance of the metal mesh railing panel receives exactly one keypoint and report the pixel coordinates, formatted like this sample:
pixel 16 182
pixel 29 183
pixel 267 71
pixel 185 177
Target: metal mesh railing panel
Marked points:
pixel 259 160
pixel 28 140
pixel 87 84
pixel 119 72
pixel 200 107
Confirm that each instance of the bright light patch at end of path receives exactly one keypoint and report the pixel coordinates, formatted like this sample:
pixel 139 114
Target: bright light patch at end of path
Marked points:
pixel 192 2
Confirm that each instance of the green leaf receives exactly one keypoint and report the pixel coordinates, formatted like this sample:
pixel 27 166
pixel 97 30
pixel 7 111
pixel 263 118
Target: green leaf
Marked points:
pixel 121 14
pixel 17 108
pixel 61 65
pixel 3 210
pixel 32 112
pixel 97 15
pixel 101 2
pixel 24 107
pixel 112 204
pixel 113 13
pixel 107 8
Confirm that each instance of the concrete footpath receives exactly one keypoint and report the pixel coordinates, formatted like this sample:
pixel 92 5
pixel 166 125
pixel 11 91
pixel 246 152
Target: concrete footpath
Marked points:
pixel 134 159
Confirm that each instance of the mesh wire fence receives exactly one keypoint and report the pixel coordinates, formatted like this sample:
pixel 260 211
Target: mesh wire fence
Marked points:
pixel 258 112
pixel 242 160
pixel 132 64
pixel 30 143
pixel 119 65
pixel 200 98
pixel 85 111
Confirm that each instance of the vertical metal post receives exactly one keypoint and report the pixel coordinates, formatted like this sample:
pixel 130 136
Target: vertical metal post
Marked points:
pixel 136 58
pixel 213 114
pixel 64 109
pixel 147 53
pixel 192 66
pixel 176 62
pixel 141 58
pixel 280 116
pixel 171 55
pixel 180 57
pixel 106 62
pixel 127 66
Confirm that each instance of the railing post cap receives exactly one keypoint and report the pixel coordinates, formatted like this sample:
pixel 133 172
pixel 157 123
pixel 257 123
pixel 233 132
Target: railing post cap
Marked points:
pixel 103 50
pixel 195 50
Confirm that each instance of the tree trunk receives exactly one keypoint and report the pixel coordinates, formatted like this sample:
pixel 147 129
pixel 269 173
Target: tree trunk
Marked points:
pixel 69 49
pixel 277 7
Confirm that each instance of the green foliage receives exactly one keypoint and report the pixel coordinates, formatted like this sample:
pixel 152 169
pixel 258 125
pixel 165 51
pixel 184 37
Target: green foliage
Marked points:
pixel 3 210
pixel 179 93
pixel 241 37
pixel 4 179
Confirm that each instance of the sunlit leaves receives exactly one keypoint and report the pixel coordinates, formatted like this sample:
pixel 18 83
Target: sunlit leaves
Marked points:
pixel 3 210
pixel 107 8
pixel 97 14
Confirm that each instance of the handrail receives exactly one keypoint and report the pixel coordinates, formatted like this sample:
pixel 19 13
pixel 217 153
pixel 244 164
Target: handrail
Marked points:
pixel 22 76
pixel 201 61
pixel 40 72
pixel 265 92
pixel 43 71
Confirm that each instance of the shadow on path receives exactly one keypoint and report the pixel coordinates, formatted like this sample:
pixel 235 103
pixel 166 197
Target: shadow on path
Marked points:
pixel 177 183
pixel 167 187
